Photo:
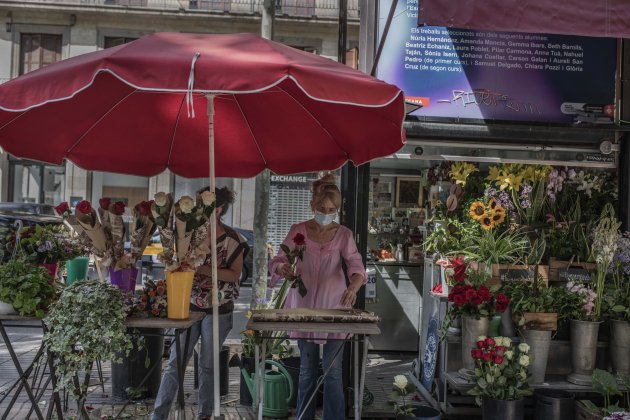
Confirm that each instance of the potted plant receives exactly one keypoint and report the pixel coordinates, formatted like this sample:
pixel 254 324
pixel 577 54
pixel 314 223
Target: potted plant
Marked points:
pixel 86 324
pixel 617 303
pixel 584 332
pixel 26 288
pixel 76 247
pixel 605 384
pixel 42 245
pixel 475 303
pixel 500 377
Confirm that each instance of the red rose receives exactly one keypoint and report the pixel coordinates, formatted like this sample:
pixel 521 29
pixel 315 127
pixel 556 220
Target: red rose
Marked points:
pixel 144 208
pixel 84 207
pixel 501 348
pixel 119 208
pixel 476 300
pixel 459 269
pixel 487 357
pixel 500 308
pixel 298 239
pixel 105 202
pixel 498 359
pixel 459 300
pixel 476 354
pixel 62 208
pixel 490 342
pixel 503 299
pixel 481 344
pixel 155 311
pixel 470 294
pixel 484 293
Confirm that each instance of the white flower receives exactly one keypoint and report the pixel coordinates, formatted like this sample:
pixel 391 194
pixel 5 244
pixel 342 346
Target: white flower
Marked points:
pixel 523 347
pixel 400 382
pixel 481 338
pixel 208 198
pixel 161 199
pixel 509 354
pixel 523 360
pixel 186 204
pixel 507 341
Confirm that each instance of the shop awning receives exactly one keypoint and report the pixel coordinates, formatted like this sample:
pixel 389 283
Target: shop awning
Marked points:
pixel 610 18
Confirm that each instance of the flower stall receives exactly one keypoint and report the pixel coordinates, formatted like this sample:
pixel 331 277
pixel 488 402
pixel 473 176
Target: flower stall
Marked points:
pixel 521 251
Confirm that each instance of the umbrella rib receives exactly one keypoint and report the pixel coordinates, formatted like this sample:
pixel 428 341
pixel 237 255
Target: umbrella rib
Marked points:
pixel 80 139
pixel 11 122
pixel 168 161
pixel 316 120
pixel 250 130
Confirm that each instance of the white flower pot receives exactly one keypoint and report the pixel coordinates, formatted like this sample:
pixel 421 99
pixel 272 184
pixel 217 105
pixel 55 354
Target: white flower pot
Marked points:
pixel 6 309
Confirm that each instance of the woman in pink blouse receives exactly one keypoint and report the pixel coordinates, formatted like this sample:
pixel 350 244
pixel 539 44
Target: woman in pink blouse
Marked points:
pixel 328 245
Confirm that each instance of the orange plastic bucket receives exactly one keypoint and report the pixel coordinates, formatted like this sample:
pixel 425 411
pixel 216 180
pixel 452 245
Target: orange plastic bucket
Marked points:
pixel 178 289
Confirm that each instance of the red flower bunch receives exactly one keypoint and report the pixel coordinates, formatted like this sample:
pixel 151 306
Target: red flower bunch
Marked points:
pixel 63 209
pixel 488 351
pixel 84 207
pixel 144 208
pixel 104 202
pixel 119 208
pixel 152 301
pixel 477 300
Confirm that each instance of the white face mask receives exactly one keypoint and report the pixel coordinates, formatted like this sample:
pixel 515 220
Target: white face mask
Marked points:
pixel 325 219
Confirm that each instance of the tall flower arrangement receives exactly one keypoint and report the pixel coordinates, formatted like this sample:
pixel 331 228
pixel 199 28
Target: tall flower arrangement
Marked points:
pixel 604 247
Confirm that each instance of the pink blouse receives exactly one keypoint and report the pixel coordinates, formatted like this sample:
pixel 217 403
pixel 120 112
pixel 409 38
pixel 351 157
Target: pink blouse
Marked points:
pixel 321 272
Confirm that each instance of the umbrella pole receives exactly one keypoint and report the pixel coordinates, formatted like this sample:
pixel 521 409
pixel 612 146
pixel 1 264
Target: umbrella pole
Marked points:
pixel 213 248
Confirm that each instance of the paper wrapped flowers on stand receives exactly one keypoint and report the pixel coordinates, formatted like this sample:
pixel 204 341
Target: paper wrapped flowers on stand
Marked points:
pixel 183 228
pixel 107 235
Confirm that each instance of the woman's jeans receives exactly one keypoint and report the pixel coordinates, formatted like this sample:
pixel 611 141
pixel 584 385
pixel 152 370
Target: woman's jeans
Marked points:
pixel 169 385
pixel 334 401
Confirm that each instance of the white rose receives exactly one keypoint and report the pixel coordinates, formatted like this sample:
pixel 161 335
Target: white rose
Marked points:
pixel 523 347
pixel 186 204
pixel 400 382
pixel 509 354
pixel 161 199
pixel 524 360
pixel 500 341
pixel 208 198
pixel 507 341
pixel 481 338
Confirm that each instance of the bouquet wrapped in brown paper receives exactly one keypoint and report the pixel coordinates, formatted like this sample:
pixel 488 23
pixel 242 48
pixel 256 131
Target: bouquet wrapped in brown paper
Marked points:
pixel 107 234
pixel 190 221
pixel 142 229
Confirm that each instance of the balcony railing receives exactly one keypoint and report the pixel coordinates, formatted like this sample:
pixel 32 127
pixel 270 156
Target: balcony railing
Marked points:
pixel 290 8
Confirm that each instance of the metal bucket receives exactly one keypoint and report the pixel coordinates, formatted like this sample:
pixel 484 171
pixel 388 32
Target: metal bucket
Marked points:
pixel 539 342
pixel 552 404
pixel 502 409
pixel 583 351
pixel 471 329
pixel 620 346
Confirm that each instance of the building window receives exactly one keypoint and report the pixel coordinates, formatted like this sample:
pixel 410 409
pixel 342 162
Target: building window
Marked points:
pixel 114 41
pixel 33 182
pixel 127 2
pixel 295 7
pixel 216 5
pixel 38 50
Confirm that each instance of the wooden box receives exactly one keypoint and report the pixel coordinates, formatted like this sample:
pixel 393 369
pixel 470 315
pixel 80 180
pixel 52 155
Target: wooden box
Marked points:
pixel 502 273
pixel 543 321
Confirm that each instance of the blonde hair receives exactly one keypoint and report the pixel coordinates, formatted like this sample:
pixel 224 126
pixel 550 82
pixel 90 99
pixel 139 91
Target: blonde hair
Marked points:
pixel 326 188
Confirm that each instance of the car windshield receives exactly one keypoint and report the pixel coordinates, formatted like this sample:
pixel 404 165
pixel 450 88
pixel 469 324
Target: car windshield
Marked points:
pixel 31 208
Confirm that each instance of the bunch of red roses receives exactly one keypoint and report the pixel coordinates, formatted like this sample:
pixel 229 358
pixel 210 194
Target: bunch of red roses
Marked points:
pixel 477 300
pixel 489 351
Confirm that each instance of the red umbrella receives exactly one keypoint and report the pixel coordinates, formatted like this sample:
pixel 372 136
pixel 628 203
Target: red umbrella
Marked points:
pixel 139 108
pixel 125 109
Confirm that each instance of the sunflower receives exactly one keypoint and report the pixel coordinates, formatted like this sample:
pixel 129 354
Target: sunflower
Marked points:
pixel 486 222
pixel 498 217
pixel 492 204
pixel 477 210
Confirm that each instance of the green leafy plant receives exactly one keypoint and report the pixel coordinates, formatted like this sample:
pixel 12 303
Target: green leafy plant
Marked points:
pixel 507 247
pixel 606 385
pixel 450 234
pixel 401 389
pixel 500 369
pixel 86 324
pixel 603 251
pixel 27 287
pixel 43 244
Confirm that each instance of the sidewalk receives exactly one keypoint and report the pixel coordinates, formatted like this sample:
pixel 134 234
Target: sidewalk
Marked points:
pixel 380 373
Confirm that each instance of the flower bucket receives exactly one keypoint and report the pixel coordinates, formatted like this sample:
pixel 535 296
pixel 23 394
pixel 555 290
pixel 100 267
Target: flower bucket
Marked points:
pixel 178 290
pixel 124 278
pixel 502 409
pixel 620 346
pixel 471 329
pixel 77 269
pixel 539 342
pixel 6 308
pixel 584 336
pixel 52 269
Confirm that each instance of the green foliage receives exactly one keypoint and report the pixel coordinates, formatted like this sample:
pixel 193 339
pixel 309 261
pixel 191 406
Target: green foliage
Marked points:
pixel 45 244
pixel 451 234
pixel 606 384
pixel 86 324
pixel 27 287
pixel 491 247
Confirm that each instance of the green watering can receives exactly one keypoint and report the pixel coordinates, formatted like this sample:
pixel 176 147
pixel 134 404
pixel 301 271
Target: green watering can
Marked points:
pixel 278 390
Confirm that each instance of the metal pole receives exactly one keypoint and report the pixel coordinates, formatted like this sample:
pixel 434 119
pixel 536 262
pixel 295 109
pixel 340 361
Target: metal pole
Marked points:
pixel 213 253
pixel 388 23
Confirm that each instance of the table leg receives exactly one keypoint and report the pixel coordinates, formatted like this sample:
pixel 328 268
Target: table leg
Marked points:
pixel 366 345
pixel 23 379
pixel 261 384
pixel 181 370
pixel 355 352
pixel 257 380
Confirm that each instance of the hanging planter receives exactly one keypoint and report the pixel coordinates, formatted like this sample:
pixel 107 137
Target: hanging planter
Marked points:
pixel 178 290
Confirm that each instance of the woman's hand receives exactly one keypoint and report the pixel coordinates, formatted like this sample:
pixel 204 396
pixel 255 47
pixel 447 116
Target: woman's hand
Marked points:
pixel 349 297
pixel 285 271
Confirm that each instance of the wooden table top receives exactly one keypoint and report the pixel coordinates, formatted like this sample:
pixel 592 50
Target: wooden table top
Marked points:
pixel 159 323
pixel 320 327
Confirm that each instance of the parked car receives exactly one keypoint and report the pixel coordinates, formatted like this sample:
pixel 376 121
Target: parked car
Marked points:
pixel 248 264
pixel 30 214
